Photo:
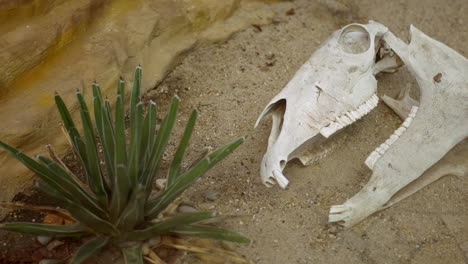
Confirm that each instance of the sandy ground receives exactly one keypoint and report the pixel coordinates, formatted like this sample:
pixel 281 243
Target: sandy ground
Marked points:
pixel 231 82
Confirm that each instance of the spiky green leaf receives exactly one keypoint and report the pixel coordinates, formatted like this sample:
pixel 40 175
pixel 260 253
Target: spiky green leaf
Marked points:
pixel 72 131
pixel 210 232
pixel 133 213
pixel 80 213
pixel 148 134
pixel 135 145
pixel 73 230
pixel 166 225
pixel 176 164
pixel 182 182
pixel 160 145
pixel 94 175
pixel 105 130
pixel 41 170
pixel 120 191
pixel 133 254
pixel 134 100
pixel 68 183
pixel 89 248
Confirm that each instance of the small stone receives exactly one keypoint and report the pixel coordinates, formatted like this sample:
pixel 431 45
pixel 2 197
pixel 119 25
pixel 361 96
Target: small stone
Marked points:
pixel 211 196
pixel 44 240
pixel 161 183
pixel 52 245
pixel 206 206
pixel 145 249
pixel 154 241
pixel 186 209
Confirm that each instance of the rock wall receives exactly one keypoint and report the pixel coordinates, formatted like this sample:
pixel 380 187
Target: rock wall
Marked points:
pixel 58 45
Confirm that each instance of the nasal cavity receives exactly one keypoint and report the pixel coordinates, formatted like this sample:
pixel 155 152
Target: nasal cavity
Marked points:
pixel 277 111
pixel 354 39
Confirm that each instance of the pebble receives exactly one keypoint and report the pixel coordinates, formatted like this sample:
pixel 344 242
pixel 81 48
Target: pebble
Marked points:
pixel 211 196
pixel 52 245
pixel 145 249
pixel 44 240
pixel 186 209
pixel 154 241
pixel 161 183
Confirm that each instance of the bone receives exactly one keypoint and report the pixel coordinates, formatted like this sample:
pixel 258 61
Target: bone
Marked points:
pixel 330 101
pixel 424 152
pixel 402 104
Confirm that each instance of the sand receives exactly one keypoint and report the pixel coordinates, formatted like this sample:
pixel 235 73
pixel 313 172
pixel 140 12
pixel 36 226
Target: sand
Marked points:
pixel 231 82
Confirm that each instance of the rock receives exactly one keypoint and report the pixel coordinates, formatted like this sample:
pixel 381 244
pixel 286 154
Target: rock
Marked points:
pixel 44 240
pixel 154 241
pixel 62 46
pixel 211 196
pixel 161 183
pixel 52 245
pixel 145 249
pixel 186 209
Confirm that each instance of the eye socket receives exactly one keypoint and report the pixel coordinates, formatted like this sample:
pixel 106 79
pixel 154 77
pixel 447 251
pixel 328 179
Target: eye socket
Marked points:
pixel 354 39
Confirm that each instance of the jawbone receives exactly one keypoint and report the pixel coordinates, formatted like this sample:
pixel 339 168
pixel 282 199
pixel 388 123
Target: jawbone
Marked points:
pixel 418 152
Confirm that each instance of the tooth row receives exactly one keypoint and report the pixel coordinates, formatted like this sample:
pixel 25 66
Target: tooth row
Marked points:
pixel 380 150
pixel 350 117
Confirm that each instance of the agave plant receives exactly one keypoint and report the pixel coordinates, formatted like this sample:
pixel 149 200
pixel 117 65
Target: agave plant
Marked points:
pixel 116 204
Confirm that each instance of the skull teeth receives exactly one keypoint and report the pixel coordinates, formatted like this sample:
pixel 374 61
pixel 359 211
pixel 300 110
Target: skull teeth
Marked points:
pixel 350 117
pixel 380 150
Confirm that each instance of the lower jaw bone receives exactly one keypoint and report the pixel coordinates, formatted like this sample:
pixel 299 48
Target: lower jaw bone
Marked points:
pixel 433 145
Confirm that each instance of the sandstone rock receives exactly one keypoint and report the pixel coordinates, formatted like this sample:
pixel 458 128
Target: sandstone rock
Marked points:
pixel 62 46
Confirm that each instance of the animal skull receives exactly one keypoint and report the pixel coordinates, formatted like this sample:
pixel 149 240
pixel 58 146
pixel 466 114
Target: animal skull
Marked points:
pixel 333 89
pixel 405 162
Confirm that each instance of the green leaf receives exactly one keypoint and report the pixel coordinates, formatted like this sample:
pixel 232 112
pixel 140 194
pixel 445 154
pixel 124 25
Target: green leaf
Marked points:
pixel 210 232
pixel 174 170
pixel 68 183
pixel 182 182
pixel 95 178
pixel 80 213
pixel 108 142
pixel 157 204
pixel 133 254
pixel 167 225
pixel 73 230
pixel 97 104
pixel 147 135
pixel 134 100
pixel 133 213
pixel 105 131
pixel 71 129
pixel 135 145
pixel 160 145
pixel 222 152
pixel 121 88
pixel 89 248
pixel 60 185
pixel 121 187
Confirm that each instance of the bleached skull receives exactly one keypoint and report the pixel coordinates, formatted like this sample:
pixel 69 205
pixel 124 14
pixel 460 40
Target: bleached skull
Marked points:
pixel 334 88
